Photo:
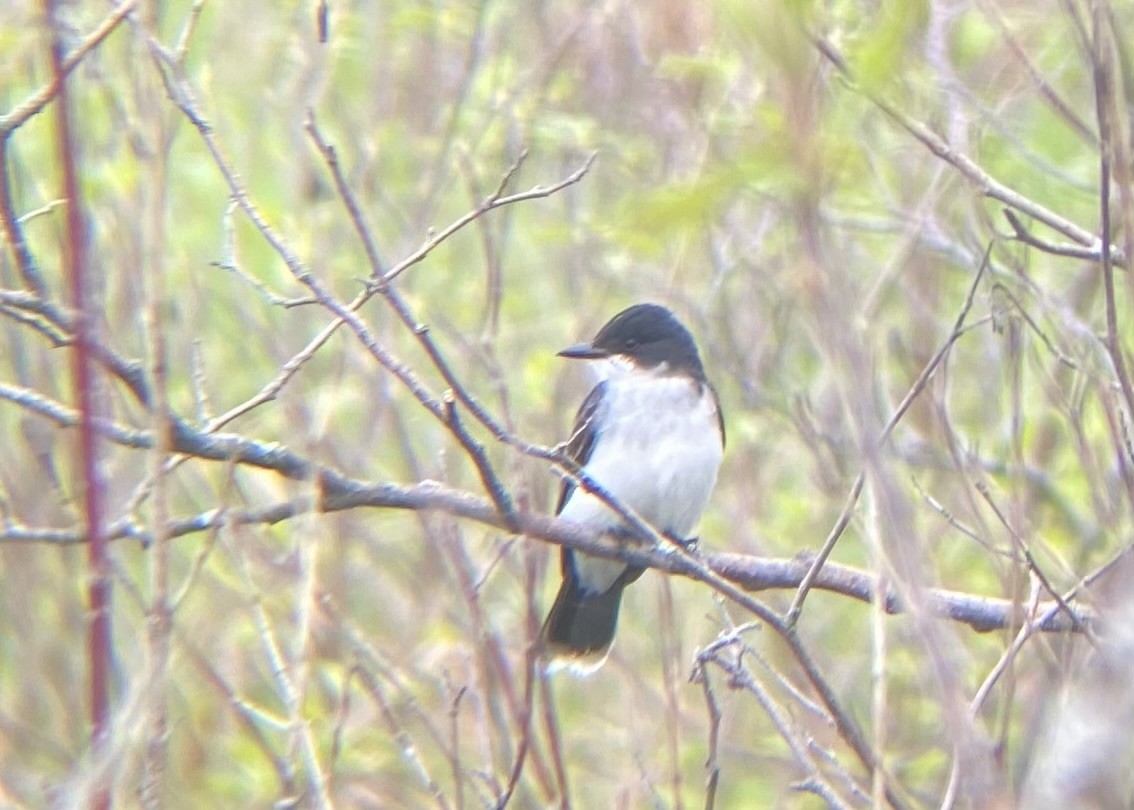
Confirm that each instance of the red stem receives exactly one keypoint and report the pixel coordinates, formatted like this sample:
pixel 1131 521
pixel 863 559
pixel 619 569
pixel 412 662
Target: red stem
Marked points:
pixel 83 371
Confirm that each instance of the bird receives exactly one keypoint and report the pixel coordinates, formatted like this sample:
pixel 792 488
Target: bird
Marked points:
pixel 652 436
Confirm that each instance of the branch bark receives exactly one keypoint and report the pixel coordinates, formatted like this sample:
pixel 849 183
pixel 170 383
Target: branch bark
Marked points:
pixel 340 492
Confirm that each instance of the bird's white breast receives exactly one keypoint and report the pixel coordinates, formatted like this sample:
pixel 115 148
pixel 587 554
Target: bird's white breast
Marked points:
pixel 658 452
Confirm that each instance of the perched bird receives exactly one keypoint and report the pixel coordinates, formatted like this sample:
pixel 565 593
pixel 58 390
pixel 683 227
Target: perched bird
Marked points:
pixel 651 435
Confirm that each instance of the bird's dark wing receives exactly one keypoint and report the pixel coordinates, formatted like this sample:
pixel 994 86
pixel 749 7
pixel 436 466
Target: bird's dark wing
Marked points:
pixel 583 438
pixel 720 413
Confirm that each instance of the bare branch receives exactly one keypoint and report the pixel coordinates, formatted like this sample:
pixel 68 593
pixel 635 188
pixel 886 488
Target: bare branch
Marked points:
pixel 751 573
pixel 12 226
pixel 1063 109
pixel 40 99
pixel 856 489
pixel 985 183
pixel 1103 73
pixel 1054 248
pixel 1033 566
pixel 740 677
pixel 536 193
pixel 450 418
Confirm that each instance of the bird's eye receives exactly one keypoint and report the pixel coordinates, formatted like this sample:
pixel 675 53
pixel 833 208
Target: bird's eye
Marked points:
pixel 631 344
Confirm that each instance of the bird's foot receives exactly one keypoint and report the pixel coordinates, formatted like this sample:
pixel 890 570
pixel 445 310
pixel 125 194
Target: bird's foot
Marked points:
pixel 690 544
pixel 627 535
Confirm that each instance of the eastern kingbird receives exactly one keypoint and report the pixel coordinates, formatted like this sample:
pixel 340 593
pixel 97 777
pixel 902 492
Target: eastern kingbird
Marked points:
pixel 651 435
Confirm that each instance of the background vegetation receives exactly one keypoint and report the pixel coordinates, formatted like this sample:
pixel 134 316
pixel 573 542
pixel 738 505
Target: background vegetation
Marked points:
pixel 812 186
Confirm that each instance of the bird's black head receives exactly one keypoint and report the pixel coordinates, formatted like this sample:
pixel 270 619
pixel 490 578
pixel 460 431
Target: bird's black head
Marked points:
pixel 647 335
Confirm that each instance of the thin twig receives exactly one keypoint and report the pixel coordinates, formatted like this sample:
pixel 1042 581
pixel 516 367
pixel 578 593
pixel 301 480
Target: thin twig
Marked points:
pixel 12 226
pixel 247 716
pixel 1046 91
pixel 740 677
pixel 1034 625
pixel 42 97
pixel 405 743
pixel 59 326
pixel 1102 68
pixel 554 738
pixel 793 613
pixel 1054 248
pixel 1033 566
pixel 984 182
pixel 492 483
pixel 290 694
pixel 536 193
pixel 159 624
pixel 712 761
pixel 455 107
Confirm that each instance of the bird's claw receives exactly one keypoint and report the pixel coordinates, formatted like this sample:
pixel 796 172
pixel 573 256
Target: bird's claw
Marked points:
pixel 690 544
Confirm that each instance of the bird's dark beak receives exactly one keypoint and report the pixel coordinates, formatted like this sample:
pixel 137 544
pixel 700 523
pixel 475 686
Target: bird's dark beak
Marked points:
pixel 583 351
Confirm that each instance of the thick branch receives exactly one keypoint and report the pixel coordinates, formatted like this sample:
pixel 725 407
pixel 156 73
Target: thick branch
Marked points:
pixel 340 492
pixel 749 572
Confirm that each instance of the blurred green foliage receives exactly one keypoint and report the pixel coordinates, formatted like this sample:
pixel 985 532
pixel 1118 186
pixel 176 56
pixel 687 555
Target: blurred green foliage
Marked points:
pixel 819 252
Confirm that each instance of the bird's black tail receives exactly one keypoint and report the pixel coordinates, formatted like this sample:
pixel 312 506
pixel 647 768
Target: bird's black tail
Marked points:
pixel 580 628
